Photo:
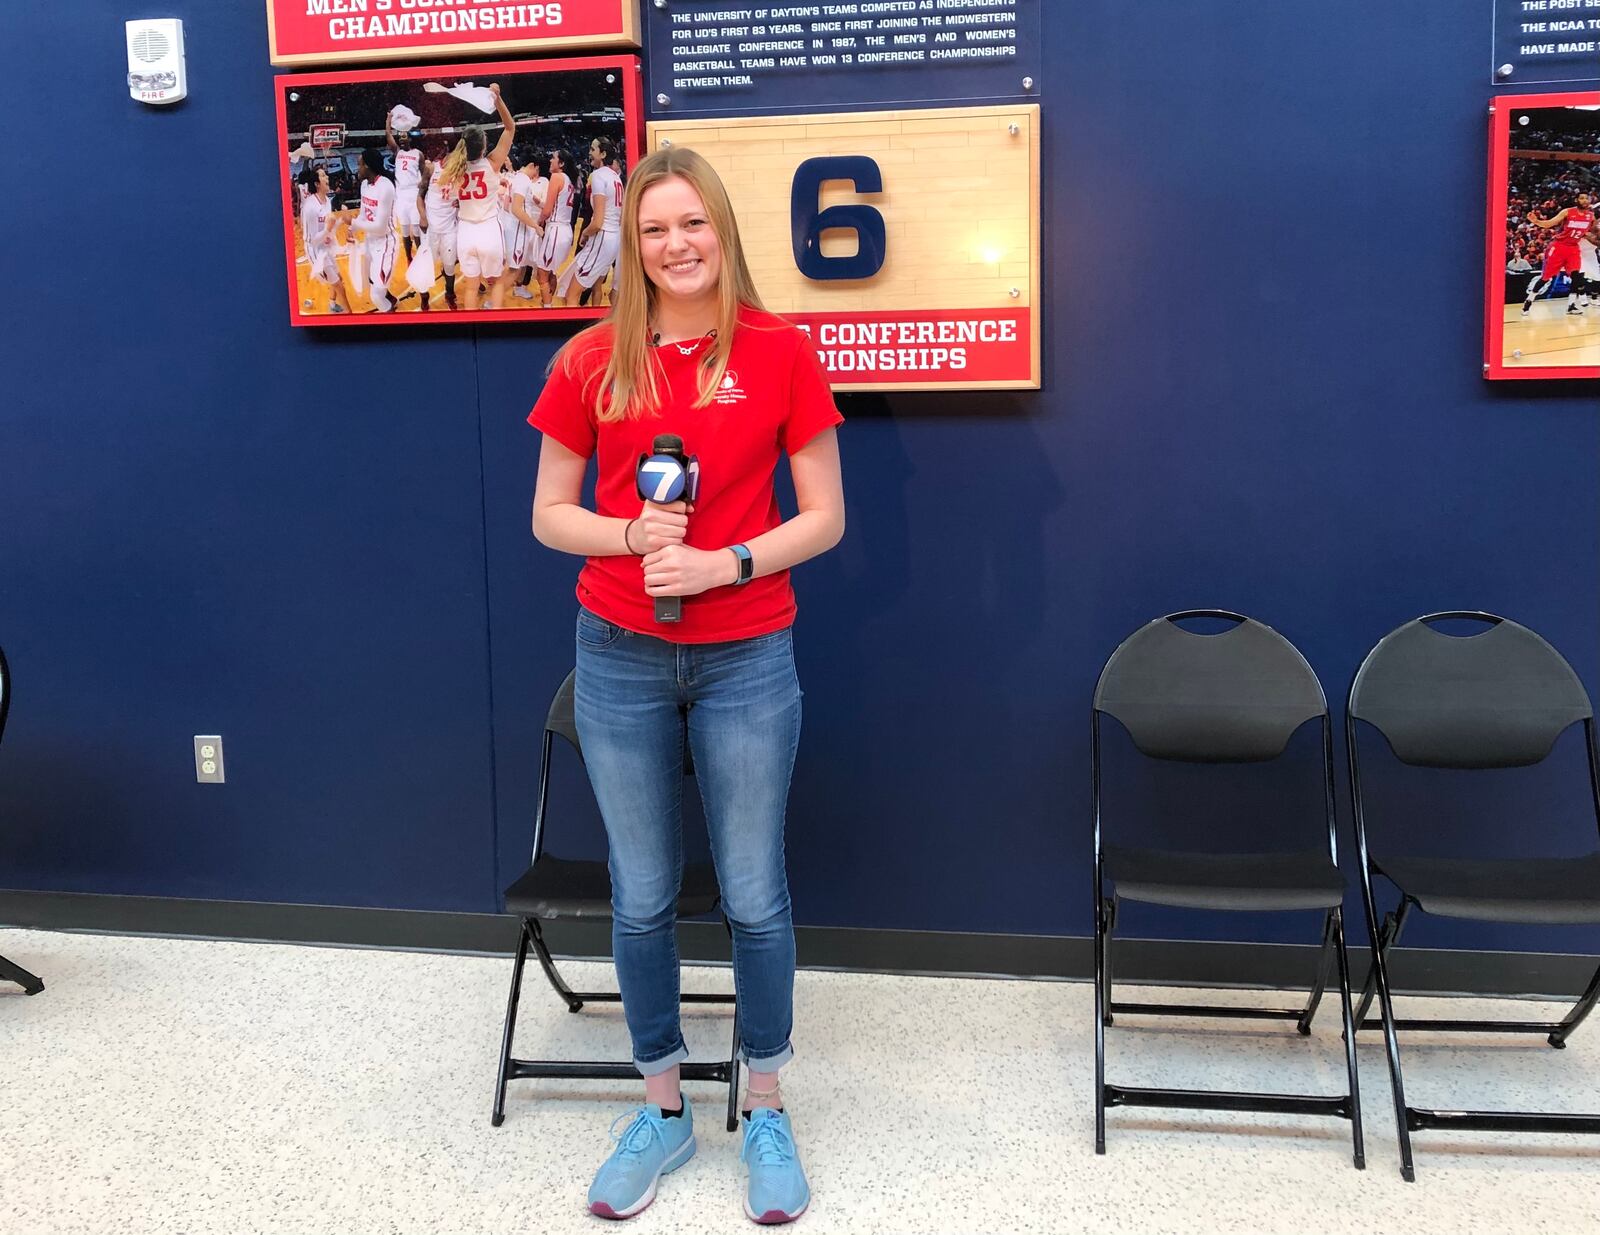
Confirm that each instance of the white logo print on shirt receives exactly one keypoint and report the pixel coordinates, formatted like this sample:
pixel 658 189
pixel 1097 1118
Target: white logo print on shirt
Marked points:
pixel 728 389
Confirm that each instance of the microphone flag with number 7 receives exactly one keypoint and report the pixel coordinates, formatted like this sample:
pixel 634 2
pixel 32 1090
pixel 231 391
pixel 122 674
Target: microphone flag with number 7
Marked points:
pixel 667 474
pixel 662 478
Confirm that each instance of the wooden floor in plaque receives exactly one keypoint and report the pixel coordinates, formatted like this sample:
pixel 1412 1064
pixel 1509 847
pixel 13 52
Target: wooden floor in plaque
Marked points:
pixel 316 298
pixel 1549 335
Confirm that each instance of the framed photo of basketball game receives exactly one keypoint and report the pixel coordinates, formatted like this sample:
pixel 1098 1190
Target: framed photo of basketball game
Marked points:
pixel 905 242
pixel 1542 276
pixel 467 192
pixel 302 32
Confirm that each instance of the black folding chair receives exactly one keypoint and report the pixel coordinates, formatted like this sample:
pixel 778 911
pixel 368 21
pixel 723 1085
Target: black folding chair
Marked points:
pixel 558 888
pixel 10 972
pixel 1497 699
pixel 1233 697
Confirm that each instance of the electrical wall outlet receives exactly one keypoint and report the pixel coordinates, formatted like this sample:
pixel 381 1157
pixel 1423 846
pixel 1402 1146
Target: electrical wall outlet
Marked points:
pixel 208 759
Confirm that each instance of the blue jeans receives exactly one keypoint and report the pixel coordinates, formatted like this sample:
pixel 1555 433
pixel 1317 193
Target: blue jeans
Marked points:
pixel 740 704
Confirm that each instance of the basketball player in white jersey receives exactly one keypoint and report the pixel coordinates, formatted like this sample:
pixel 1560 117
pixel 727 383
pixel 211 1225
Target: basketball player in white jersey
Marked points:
pixel 512 184
pixel 470 173
pixel 376 220
pixel 555 218
pixel 439 222
pixel 520 222
pixel 407 182
pixel 318 221
pixel 539 170
pixel 1590 265
pixel 506 169
pixel 589 293
pixel 619 166
pixel 599 251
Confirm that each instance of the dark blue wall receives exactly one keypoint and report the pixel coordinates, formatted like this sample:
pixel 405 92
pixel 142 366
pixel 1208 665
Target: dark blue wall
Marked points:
pixel 1262 265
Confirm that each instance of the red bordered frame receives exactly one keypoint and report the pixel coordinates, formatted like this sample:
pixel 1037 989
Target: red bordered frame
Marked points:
pixel 601 24
pixel 631 85
pixel 1501 112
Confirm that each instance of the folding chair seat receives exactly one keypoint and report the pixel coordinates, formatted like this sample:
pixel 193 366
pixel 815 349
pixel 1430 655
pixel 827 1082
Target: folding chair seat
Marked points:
pixel 1551 891
pixel 1234 697
pixel 553 889
pixel 9 971
pixel 1496 699
pixel 1240 881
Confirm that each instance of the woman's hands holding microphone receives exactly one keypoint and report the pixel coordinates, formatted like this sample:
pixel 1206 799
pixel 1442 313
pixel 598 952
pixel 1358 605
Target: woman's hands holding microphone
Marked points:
pixel 672 568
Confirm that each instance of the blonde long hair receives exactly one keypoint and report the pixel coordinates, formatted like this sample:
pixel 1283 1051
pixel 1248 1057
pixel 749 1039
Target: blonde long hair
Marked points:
pixel 455 163
pixel 628 386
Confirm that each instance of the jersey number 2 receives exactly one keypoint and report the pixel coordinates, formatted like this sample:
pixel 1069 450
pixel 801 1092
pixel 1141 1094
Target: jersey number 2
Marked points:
pixel 807 223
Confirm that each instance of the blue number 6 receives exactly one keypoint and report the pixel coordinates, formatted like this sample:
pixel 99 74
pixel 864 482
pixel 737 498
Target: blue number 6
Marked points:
pixel 807 223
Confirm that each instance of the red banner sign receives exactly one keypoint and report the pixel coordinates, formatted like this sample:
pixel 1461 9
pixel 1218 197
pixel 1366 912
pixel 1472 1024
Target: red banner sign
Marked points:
pixel 910 349
pixel 331 31
pixel 327 136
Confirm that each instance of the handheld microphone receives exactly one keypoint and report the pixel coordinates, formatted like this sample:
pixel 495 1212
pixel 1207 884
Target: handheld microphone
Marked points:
pixel 663 476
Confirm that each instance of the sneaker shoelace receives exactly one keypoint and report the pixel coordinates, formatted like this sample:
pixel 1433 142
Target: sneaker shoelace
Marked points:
pixel 768 1144
pixel 635 1139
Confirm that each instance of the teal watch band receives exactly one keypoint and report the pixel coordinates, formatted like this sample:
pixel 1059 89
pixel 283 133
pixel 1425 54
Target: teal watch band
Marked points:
pixel 747 565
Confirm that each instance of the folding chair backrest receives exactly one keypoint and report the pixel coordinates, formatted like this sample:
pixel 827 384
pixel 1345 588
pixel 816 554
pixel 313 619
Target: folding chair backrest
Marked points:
pixel 561 720
pixel 1497 699
pixel 1234 697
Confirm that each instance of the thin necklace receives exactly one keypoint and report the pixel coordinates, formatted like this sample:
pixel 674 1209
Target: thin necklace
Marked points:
pixel 685 349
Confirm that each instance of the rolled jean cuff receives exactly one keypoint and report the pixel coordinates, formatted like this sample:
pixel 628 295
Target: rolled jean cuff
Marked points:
pixel 652 1067
pixel 767 1063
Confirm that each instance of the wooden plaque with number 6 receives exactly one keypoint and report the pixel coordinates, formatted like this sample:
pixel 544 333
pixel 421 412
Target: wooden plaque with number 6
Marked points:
pixel 907 242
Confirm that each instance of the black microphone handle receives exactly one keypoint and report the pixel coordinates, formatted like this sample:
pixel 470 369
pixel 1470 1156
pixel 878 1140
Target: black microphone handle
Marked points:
pixel 668 608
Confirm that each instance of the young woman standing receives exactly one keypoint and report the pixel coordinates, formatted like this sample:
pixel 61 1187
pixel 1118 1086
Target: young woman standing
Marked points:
pixel 688 350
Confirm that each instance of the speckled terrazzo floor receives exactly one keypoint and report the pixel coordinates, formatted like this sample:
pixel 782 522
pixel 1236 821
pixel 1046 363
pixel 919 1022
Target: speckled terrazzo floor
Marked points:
pixel 187 1086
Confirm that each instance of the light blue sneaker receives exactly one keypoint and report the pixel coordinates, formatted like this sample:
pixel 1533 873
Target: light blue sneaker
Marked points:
pixel 648 1148
pixel 778 1191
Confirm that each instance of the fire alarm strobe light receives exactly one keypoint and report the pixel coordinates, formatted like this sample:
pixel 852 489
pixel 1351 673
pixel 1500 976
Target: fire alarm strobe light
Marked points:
pixel 155 60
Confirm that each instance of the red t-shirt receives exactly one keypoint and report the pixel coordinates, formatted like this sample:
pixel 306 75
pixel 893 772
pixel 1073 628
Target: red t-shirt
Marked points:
pixel 774 398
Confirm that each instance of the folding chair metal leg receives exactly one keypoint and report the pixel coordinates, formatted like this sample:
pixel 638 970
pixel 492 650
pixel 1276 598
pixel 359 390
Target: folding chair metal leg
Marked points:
pixel 733 1051
pixel 1393 924
pixel 1109 907
pixel 10 972
pixel 1360 1145
pixel 1102 1002
pixel 548 964
pixel 498 1117
pixel 733 1075
pixel 1576 1017
pixel 1391 1040
pixel 1324 965
pixel 1369 984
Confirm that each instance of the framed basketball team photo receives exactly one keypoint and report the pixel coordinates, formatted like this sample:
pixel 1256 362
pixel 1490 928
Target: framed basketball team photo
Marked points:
pixel 302 32
pixel 1542 278
pixel 466 192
